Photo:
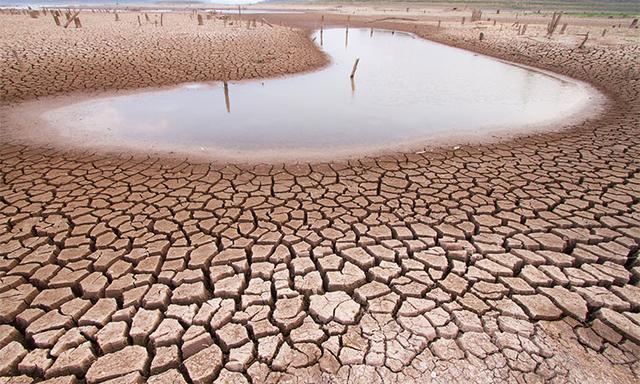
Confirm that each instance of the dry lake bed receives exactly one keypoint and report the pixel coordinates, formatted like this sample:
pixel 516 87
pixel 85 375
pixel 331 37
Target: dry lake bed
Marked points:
pixel 197 195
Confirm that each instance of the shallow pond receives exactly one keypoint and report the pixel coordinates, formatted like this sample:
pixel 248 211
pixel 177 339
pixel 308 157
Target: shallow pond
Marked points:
pixel 407 92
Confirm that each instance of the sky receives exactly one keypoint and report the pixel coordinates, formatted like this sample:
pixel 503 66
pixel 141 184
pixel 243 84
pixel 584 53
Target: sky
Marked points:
pixel 38 3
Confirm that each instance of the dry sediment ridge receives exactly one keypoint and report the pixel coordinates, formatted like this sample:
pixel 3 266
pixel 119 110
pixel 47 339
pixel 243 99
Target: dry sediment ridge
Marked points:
pixel 506 262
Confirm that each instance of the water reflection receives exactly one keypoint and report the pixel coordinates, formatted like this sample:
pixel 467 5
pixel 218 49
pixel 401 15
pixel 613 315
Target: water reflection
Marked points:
pixel 346 38
pixel 226 97
pixel 408 89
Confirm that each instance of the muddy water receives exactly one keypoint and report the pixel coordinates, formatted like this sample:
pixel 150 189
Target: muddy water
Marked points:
pixel 406 92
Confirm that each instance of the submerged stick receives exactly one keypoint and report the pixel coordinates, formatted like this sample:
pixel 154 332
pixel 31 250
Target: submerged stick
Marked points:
pixel 226 97
pixel 346 37
pixel 355 67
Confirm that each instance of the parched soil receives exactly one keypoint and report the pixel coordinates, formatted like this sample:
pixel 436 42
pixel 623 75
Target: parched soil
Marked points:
pixel 507 262
pixel 108 54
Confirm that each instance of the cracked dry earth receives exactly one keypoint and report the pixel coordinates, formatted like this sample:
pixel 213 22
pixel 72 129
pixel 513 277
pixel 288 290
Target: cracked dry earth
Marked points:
pixel 105 54
pixel 507 262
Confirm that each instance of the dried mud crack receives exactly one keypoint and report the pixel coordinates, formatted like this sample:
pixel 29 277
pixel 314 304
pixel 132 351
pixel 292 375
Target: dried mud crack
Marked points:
pixel 507 262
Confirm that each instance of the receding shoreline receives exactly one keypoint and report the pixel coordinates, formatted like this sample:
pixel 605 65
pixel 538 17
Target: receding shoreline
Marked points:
pixel 33 129
pixel 44 137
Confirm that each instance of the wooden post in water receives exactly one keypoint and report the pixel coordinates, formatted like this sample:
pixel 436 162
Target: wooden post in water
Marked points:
pixel 634 24
pixel 161 16
pixel 227 102
pixel 463 18
pixel 77 22
pixel 146 17
pixel 439 22
pixel 200 19
pixel 55 19
pixel 117 17
pixel 481 37
pixel 346 36
pixel 355 67
pixel 139 23
pixel 604 32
